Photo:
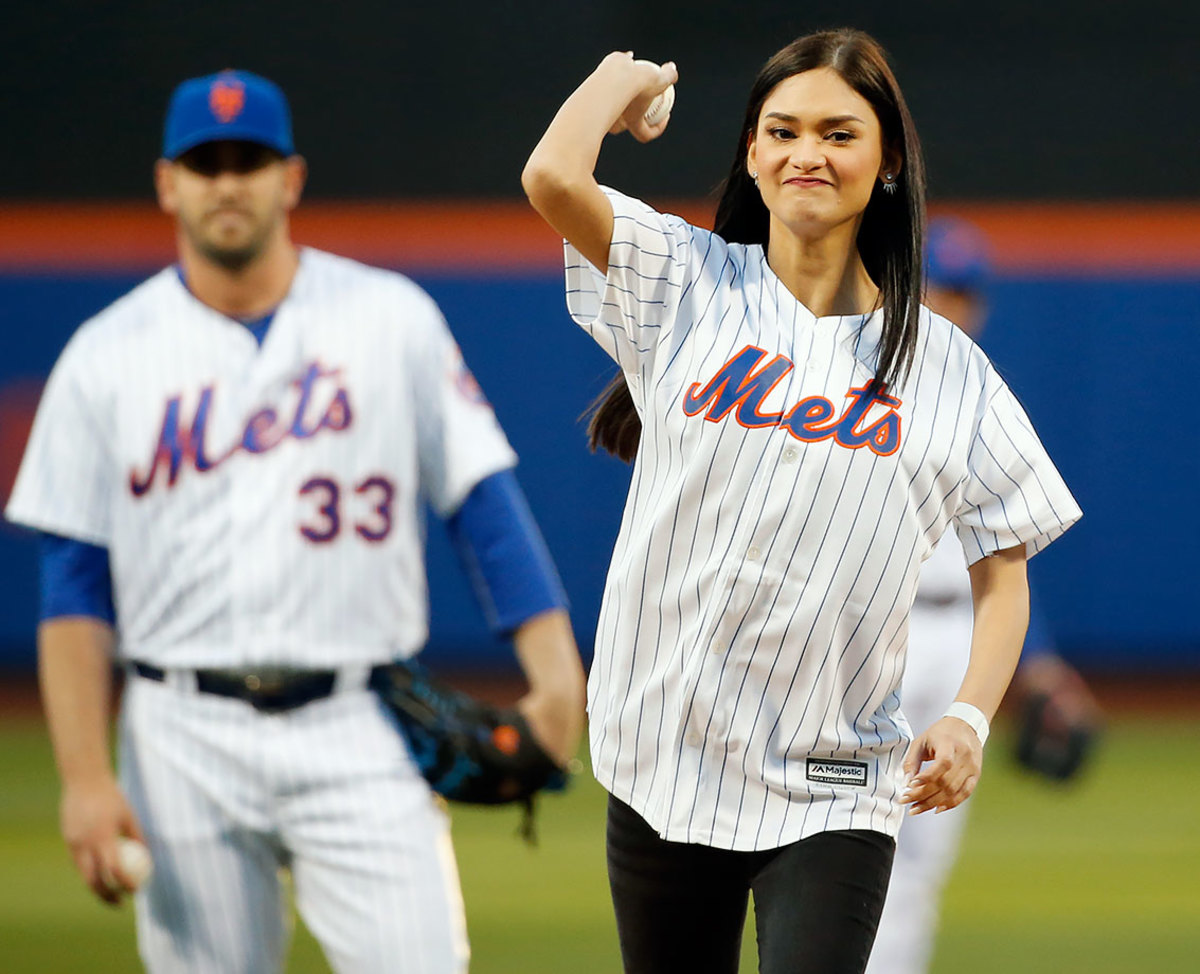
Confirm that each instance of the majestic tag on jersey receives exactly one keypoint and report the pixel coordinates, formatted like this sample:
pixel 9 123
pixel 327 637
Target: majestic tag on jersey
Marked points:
pixel 739 388
pixel 827 771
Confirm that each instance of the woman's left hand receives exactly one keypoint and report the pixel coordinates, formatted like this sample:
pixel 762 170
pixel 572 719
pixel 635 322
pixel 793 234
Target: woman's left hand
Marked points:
pixel 942 766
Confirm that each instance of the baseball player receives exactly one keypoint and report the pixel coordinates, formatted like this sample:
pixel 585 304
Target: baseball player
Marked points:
pixel 807 433
pixel 939 638
pixel 229 469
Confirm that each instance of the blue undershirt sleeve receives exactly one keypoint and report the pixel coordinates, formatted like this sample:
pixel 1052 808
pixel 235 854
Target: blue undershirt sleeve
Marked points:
pixel 504 554
pixel 75 579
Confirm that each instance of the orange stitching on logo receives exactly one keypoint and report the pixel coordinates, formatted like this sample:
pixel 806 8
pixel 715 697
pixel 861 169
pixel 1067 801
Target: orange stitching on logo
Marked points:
pixel 507 739
pixel 227 99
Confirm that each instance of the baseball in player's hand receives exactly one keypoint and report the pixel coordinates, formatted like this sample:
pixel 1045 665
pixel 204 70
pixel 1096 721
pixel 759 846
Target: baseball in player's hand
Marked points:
pixel 942 766
pixel 638 119
pixel 92 815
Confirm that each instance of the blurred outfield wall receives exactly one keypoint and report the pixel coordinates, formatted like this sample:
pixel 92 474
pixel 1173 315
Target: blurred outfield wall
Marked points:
pixel 1095 325
pixel 1021 100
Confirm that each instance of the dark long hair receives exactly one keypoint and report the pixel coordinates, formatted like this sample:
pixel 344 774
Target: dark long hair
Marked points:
pixel 890 237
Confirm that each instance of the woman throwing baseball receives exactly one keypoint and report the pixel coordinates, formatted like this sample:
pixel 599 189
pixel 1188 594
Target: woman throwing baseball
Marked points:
pixel 802 432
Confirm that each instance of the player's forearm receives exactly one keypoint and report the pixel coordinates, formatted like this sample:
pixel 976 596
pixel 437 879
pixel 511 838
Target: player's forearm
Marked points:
pixel 75 673
pixel 549 657
pixel 1000 592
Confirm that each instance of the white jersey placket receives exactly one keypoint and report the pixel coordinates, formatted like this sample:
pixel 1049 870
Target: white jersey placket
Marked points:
pixel 707 716
pixel 241 561
pixel 249 392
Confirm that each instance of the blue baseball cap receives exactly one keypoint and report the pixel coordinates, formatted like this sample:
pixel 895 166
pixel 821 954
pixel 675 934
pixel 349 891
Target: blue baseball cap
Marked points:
pixel 957 256
pixel 235 105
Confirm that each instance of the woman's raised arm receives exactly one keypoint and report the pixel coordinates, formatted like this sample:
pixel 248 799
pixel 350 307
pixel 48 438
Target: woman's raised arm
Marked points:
pixel 559 176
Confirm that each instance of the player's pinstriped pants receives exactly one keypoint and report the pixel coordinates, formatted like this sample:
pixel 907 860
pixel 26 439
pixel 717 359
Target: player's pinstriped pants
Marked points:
pixel 228 796
pixel 681 907
pixel 939 641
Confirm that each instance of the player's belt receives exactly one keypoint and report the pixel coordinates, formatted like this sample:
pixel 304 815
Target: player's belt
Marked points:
pixel 270 689
pixel 939 601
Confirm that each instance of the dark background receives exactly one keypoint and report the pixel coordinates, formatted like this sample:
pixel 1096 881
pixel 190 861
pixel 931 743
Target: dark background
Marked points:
pixel 1015 100
pixel 1019 102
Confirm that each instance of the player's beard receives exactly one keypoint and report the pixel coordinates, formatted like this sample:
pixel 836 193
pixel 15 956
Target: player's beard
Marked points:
pixel 232 257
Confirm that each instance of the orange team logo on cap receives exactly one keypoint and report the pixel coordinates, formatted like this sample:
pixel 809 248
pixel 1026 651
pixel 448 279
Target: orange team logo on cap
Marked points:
pixel 227 99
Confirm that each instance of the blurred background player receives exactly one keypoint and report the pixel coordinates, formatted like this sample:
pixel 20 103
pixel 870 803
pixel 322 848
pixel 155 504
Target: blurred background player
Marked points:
pixel 245 445
pixel 1058 712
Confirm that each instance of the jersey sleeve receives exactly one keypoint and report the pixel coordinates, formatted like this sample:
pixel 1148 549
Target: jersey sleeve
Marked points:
pixel 1013 494
pixel 628 311
pixel 66 478
pixel 459 440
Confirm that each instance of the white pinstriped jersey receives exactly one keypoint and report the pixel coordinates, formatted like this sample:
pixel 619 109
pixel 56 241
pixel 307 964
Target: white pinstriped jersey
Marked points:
pixel 751 641
pixel 262 505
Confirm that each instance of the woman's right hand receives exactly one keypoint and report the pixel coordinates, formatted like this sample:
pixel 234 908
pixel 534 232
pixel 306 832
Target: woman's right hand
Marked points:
pixel 650 80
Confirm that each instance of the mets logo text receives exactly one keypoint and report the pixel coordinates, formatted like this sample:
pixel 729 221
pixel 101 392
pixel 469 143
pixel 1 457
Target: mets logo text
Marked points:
pixel 741 386
pixel 181 443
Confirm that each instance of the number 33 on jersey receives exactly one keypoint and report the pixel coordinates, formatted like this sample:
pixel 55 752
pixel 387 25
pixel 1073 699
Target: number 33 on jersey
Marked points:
pixel 320 546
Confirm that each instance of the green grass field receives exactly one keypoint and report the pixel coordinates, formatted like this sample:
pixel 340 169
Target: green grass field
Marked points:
pixel 1101 878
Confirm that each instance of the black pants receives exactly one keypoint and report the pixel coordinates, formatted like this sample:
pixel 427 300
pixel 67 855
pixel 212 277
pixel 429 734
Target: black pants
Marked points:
pixel 681 908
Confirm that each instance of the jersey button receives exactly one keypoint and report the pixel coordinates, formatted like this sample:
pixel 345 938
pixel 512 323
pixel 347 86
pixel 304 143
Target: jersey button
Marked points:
pixel 790 454
pixel 813 367
pixel 753 553
pixel 732 747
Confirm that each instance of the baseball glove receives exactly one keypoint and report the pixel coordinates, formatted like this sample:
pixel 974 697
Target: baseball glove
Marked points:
pixel 467 750
pixel 1059 721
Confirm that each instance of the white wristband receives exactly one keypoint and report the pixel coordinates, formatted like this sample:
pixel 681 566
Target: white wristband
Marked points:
pixel 972 715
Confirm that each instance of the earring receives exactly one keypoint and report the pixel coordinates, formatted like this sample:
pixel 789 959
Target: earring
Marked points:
pixel 889 183
pixel 754 176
